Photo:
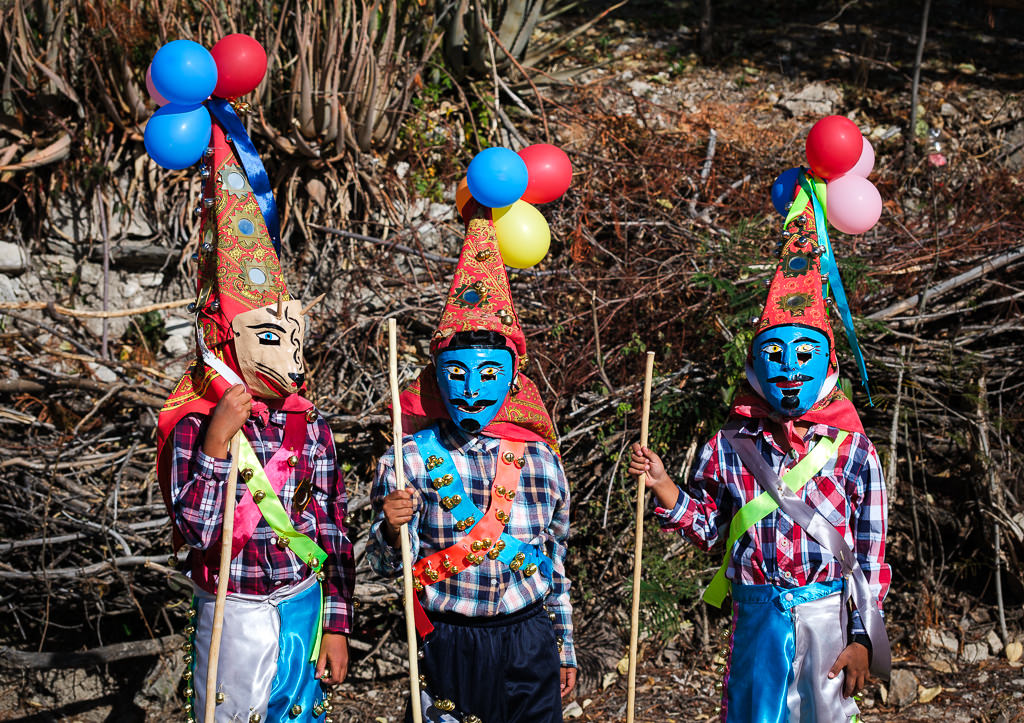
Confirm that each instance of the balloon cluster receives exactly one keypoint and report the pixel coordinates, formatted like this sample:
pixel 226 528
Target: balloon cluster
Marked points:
pixel 510 184
pixel 181 77
pixel 841 156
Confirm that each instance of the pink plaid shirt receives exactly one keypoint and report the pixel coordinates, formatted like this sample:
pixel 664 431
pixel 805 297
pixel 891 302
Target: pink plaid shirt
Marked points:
pixel 260 567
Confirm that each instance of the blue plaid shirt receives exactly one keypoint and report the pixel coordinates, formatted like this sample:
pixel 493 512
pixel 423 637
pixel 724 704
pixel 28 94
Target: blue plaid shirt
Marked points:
pixel 539 516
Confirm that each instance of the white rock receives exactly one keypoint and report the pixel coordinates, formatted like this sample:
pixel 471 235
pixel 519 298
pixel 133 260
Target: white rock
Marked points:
pixel 995 643
pixel 975 652
pixel 13 258
pixel 104 374
pixel 902 688
pixel 573 710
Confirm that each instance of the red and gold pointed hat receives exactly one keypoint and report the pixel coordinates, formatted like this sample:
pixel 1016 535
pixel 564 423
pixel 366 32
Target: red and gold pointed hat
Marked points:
pixel 480 299
pixel 796 297
pixel 239 270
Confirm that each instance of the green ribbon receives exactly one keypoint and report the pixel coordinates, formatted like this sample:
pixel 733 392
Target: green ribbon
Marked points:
pixel 763 505
pixel 280 522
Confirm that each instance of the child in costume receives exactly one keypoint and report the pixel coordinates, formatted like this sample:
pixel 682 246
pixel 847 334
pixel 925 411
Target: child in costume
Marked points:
pixel 487 506
pixel 794 654
pixel 288 609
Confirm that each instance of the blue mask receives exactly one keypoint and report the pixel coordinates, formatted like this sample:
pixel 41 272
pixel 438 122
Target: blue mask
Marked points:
pixel 473 384
pixel 790 367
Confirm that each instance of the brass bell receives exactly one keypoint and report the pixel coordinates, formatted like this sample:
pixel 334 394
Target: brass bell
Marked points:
pixel 328 719
pixel 191 611
pixel 318 710
pixel 296 710
pixel 172 561
pixel 258 496
pixel 320 576
pixel 187 675
pixel 452 502
pixel 189 694
pixel 219 698
pixel 511 495
pixel 283 542
pixel 433 461
pixel 187 708
pixel 517 562
pixel 529 569
pixel 561 641
pixel 187 646
pixel 311 416
pixel 508 458
pixel 502 516
pixel 417 585
pixel 190 629
pixel 501 490
pixel 520 462
pixel 471 719
pixel 312 562
pixel 255 717
pixel 327 706
pixel 186 659
pixel 444 704
pixel 247 473
pixel 293 460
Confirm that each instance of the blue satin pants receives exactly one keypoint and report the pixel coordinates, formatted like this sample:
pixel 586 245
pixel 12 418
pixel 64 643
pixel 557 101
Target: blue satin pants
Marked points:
pixel 784 642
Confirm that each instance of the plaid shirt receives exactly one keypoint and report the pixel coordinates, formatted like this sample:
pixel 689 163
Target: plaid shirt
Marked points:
pixel 197 494
pixel 848 491
pixel 539 516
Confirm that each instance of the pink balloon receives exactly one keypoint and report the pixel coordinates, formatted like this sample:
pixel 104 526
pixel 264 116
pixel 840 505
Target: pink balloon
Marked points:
pixel 153 92
pixel 854 204
pixel 866 162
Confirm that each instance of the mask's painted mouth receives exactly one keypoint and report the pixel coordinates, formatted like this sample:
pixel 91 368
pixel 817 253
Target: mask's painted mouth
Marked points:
pixel 794 382
pixel 472 408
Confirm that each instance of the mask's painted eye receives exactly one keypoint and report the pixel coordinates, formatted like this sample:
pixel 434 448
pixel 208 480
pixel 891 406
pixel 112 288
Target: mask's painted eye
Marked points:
pixel 773 351
pixel 455 372
pixel 269 338
pixel 805 351
pixel 489 374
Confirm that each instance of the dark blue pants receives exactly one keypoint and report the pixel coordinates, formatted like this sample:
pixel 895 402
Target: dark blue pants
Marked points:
pixel 502 669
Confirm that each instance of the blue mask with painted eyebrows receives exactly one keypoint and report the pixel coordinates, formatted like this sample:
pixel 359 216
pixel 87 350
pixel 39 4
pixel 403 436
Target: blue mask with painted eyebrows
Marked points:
pixel 790 364
pixel 474 383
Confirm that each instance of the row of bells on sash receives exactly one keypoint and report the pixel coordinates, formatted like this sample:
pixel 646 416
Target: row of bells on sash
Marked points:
pixel 325 706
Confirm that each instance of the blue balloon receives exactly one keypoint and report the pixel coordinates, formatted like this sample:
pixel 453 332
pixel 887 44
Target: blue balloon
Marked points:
pixel 177 136
pixel 784 188
pixel 497 177
pixel 184 72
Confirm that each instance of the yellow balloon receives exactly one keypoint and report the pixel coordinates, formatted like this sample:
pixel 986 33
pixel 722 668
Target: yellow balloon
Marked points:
pixel 523 234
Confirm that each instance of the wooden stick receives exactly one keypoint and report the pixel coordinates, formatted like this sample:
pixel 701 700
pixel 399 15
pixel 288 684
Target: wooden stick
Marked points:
pixel 227 533
pixel 403 532
pixel 641 481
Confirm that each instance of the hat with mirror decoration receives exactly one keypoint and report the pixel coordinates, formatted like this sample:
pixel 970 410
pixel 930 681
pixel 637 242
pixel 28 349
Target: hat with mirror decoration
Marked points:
pixel 242 301
pixel 479 299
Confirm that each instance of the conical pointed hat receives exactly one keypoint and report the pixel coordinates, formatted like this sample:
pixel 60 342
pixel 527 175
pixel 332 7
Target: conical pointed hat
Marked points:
pixel 479 299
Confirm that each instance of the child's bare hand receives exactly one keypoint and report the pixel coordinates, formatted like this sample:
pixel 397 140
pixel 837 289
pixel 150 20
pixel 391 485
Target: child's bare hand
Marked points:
pixel 854 659
pixel 398 509
pixel 643 461
pixel 228 417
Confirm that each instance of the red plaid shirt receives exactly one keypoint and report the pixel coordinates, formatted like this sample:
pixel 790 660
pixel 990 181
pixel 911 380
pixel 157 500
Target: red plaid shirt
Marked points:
pixel 848 491
pixel 197 494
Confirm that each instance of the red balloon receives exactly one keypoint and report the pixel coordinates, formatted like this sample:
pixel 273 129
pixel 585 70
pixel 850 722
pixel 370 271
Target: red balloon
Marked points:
pixel 241 65
pixel 550 172
pixel 834 146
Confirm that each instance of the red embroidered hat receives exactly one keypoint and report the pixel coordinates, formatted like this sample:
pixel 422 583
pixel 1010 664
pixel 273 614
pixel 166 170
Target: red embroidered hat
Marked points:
pixel 239 270
pixel 795 296
pixel 480 299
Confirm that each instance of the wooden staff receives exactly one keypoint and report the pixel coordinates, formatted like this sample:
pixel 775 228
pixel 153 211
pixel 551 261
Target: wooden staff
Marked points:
pixel 641 480
pixel 403 531
pixel 227 534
